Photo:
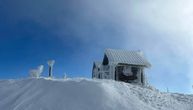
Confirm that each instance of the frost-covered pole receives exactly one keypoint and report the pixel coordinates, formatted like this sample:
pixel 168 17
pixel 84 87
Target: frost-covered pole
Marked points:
pixel 36 73
pixel 51 64
pixel 65 76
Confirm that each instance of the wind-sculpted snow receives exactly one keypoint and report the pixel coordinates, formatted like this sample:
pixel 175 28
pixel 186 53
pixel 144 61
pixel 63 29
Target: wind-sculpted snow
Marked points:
pixel 86 94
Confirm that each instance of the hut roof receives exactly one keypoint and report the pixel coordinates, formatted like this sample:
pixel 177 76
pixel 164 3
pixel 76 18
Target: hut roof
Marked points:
pixel 127 57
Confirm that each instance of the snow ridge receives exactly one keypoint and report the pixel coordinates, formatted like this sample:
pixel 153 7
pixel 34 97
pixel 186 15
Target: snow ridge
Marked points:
pixel 86 94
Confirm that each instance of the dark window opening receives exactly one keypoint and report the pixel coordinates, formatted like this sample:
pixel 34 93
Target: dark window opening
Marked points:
pixel 105 60
pixel 134 71
pixel 99 76
pixel 123 77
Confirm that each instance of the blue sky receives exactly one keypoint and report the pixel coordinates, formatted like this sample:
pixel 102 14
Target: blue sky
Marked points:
pixel 75 33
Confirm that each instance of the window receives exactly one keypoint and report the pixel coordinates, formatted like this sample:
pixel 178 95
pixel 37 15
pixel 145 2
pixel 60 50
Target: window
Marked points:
pixel 134 70
pixel 105 60
pixel 99 76
pixel 127 71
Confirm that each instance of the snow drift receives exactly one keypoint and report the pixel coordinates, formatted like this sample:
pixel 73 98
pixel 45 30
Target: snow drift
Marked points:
pixel 86 94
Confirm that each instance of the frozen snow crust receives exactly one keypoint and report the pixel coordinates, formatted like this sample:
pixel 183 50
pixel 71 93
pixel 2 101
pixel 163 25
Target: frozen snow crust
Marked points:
pixel 86 94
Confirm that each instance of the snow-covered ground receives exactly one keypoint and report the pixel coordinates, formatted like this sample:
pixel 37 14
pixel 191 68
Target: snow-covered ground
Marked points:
pixel 86 94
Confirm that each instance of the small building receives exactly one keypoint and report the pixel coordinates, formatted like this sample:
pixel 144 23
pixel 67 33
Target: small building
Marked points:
pixel 122 65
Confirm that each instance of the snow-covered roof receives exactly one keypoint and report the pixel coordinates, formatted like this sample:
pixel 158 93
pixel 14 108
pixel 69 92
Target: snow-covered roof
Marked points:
pixel 127 57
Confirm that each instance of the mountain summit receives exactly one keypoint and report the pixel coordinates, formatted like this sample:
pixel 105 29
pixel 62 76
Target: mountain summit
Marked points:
pixel 86 94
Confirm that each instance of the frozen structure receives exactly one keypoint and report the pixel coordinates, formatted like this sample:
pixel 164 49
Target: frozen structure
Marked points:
pixel 122 65
pixel 35 73
pixel 51 64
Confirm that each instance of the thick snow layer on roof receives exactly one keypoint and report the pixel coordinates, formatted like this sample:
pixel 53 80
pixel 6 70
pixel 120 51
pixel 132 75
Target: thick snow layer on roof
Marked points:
pixel 86 94
pixel 128 57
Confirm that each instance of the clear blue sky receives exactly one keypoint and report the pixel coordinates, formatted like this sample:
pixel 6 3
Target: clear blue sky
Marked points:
pixel 75 33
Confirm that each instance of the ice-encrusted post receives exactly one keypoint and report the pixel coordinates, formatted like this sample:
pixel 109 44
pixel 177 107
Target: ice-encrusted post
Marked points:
pixel 51 64
pixel 65 76
pixel 35 73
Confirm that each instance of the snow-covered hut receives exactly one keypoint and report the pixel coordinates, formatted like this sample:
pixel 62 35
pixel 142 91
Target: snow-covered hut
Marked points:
pixel 122 65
